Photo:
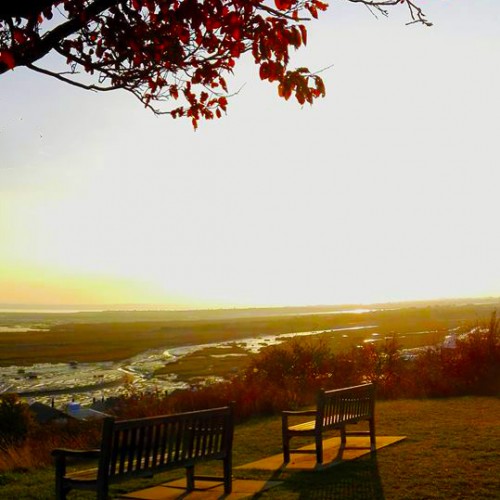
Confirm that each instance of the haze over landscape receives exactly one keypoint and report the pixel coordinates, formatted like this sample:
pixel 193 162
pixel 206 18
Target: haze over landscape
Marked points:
pixel 386 190
pixel 284 271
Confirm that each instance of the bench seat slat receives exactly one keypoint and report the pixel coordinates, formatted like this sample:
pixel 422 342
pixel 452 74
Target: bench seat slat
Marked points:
pixel 83 475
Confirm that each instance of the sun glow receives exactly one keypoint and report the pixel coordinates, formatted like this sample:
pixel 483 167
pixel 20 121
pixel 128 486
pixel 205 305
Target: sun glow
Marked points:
pixel 231 240
pixel 368 196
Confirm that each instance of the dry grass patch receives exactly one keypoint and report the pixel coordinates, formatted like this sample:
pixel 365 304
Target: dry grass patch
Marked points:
pixel 208 362
pixel 452 452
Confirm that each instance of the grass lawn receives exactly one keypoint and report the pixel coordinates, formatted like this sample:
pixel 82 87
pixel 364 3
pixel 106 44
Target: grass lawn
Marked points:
pixel 452 452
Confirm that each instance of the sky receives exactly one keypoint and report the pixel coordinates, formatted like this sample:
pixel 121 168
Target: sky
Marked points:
pixel 385 190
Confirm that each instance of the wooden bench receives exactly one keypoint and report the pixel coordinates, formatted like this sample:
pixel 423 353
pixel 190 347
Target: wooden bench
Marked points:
pixel 335 409
pixel 142 447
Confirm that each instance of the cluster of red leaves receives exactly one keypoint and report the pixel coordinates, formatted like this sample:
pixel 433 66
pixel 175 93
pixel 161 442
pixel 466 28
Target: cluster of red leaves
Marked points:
pixel 164 49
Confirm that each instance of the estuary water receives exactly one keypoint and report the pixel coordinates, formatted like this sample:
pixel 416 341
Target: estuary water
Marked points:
pixel 85 382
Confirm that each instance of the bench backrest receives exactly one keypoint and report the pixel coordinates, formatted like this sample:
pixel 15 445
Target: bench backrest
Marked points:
pixel 136 447
pixel 349 403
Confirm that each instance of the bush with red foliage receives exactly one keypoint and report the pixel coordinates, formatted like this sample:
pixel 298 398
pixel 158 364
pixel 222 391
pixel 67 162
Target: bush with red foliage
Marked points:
pixel 289 375
pixel 471 367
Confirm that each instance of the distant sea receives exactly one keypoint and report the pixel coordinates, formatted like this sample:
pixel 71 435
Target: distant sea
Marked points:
pixel 76 308
pixel 267 310
pixel 40 308
pixel 55 311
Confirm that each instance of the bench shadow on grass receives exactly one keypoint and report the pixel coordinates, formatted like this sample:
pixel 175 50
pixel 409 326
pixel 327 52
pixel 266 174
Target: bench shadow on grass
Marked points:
pixel 358 479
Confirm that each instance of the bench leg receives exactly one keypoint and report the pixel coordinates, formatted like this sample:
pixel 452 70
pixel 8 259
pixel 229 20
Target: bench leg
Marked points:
pixel 102 489
pixel 190 478
pixel 373 445
pixel 286 447
pixel 343 437
pixel 319 448
pixel 228 480
pixel 102 493
pixel 61 490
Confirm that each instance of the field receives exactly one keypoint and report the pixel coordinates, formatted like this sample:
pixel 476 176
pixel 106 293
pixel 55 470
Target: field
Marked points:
pixel 115 336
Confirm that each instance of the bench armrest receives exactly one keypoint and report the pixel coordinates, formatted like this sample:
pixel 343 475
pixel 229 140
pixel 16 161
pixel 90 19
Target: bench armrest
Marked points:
pixel 65 452
pixel 300 413
pixel 60 455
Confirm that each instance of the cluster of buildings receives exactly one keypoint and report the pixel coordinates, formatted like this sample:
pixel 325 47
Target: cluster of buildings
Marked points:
pixel 45 413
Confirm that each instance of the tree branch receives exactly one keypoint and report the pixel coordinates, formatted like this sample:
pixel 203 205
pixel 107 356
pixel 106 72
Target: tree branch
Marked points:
pixel 278 13
pixel 416 12
pixel 26 9
pixel 52 38
pixel 59 76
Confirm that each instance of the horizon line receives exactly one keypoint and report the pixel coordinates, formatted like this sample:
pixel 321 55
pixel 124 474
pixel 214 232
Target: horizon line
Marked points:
pixel 145 307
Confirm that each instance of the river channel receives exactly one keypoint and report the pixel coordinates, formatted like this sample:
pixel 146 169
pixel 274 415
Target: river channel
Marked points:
pixel 86 382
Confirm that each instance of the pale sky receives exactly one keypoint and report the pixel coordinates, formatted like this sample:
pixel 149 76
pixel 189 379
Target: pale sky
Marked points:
pixel 387 189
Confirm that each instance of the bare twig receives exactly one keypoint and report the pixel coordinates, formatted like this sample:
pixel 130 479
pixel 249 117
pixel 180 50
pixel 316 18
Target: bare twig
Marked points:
pixel 416 12
pixel 59 76
pixel 278 13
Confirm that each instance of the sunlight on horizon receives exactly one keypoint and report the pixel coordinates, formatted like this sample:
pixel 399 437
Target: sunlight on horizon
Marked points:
pixel 384 191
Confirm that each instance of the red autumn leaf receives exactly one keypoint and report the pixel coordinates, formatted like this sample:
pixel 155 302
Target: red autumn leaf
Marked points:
pixel 303 32
pixel 322 5
pixel 272 74
pixel 295 38
pixel 223 103
pixel 236 33
pixel 235 50
pixel 285 90
pixel 18 36
pixel 320 86
pixel 223 84
pixel 300 97
pixel 283 4
pixel 7 58
pixel 313 10
pixel 264 71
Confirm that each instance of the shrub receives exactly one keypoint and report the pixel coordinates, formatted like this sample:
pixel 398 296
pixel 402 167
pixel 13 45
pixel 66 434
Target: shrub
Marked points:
pixel 15 419
pixel 473 367
pixel 299 366
pixel 35 450
pixel 380 363
pixel 288 375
